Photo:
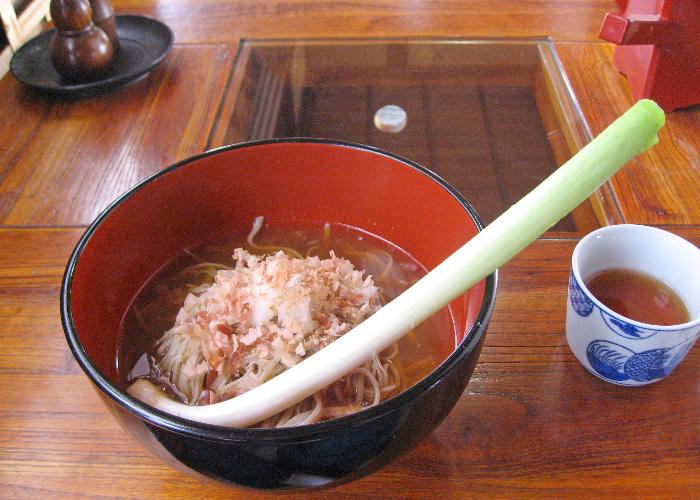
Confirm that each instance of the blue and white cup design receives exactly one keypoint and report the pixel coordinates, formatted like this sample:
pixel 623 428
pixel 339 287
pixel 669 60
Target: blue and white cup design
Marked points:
pixel 615 348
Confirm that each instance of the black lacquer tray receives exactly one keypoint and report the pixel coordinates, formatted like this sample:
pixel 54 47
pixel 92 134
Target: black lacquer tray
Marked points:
pixel 144 43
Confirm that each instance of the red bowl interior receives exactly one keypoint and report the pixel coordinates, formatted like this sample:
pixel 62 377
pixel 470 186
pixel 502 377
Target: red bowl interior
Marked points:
pixel 218 195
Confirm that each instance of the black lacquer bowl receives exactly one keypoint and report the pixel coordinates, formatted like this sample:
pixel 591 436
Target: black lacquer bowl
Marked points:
pixel 219 193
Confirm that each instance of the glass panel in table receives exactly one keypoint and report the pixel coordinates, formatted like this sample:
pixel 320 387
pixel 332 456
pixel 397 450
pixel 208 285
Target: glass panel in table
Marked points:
pixel 492 117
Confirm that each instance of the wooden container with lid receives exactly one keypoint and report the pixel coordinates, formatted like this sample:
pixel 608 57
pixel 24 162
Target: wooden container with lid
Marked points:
pixel 79 50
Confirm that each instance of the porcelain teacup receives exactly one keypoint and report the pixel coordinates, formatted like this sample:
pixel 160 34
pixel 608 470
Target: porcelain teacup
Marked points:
pixel 616 348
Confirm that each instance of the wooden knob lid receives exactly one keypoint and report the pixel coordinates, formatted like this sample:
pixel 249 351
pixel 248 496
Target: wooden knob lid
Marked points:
pixel 79 50
pixel 71 15
pixel 103 17
pixel 101 10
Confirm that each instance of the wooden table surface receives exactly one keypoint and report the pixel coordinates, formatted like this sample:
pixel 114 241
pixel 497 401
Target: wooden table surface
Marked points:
pixel 532 422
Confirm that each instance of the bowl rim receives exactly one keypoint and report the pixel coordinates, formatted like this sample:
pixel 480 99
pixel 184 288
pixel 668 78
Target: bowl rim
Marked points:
pixel 310 432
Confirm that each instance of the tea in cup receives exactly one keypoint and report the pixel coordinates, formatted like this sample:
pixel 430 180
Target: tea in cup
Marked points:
pixel 633 309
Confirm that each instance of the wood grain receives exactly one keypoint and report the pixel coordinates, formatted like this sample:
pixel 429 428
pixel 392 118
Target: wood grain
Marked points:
pixel 532 421
pixel 215 21
pixel 83 154
pixel 660 186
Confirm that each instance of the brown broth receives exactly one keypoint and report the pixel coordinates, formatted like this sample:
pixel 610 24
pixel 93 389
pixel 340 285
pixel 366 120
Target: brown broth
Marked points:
pixel 638 296
pixel 154 309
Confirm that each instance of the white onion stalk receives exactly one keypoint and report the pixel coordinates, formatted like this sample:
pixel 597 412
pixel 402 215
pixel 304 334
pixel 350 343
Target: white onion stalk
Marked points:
pixel 632 133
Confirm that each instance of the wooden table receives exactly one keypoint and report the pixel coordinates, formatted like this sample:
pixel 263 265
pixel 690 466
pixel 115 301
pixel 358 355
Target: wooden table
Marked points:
pixel 531 423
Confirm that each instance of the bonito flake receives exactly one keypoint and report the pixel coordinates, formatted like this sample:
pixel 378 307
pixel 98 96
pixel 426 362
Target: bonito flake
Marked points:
pixel 259 318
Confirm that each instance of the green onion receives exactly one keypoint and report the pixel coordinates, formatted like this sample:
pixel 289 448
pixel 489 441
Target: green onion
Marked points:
pixel 632 133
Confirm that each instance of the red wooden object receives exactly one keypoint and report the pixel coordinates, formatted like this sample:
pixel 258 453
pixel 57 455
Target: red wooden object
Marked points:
pixel 658 48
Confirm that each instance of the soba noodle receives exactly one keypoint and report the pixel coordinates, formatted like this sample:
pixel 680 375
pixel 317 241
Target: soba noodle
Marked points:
pixel 241 325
